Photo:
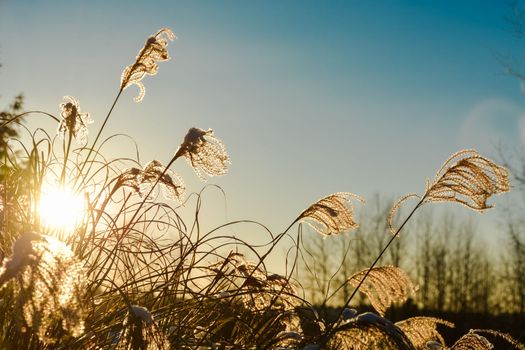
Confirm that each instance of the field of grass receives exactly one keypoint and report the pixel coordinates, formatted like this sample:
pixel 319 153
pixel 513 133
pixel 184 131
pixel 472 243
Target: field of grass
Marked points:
pixel 97 253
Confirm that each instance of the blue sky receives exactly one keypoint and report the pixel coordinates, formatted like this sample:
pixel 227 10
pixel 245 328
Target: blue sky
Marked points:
pixel 310 97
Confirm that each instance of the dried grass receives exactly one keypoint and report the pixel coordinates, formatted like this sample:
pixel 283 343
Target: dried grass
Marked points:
pixel 138 274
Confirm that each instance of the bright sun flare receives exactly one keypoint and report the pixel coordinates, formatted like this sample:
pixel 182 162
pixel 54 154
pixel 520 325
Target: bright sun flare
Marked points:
pixel 60 209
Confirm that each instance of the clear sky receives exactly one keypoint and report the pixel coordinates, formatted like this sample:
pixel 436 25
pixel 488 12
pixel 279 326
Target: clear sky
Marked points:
pixel 310 97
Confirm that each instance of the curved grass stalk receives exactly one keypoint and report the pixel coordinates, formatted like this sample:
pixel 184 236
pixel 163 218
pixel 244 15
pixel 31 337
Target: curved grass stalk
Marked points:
pixel 331 327
pixel 21 115
pixel 92 147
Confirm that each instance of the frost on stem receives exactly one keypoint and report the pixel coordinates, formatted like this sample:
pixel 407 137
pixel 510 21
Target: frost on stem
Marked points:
pixel 332 215
pixel 205 153
pixel 142 314
pixel 515 344
pixel 51 285
pixel 369 331
pixel 141 180
pixel 141 332
pixel 73 121
pixel 384 286
pixel 154 51
pixel 469 179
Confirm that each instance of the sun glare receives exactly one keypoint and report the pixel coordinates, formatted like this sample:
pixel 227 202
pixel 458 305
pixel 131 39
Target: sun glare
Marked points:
pixel 60 209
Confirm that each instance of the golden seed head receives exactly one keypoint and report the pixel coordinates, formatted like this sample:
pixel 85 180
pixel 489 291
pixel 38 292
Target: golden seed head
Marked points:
pixel 205 153
pixel 472 341
pixel 421 330
pixel 73 120
pixel 332 215
pixel 146 62
pixel 384 286
pixel 141 180
pixel 469 179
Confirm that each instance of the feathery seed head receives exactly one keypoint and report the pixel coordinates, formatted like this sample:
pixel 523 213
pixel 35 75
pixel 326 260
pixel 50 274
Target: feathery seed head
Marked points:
pixel 73 121
pixel 204 152
pixel 369 331
pixel 260 290
pixel 172 184
pixel 423 330
pixel 141 180
pixel 384 286
pixel 507 337
pixel 332 215
pixel 154 51
pixel 472 341
pixel 130 178
pixel 469 179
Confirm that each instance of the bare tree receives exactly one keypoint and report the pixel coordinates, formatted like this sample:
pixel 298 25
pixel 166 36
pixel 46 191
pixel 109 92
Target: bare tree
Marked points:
pixel 453 269
pixel 513 268
pixel 316 267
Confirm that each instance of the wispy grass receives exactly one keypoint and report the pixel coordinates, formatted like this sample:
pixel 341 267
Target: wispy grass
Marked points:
pixel 136 273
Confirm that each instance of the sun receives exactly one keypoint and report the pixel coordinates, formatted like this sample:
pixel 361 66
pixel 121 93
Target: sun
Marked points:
pixel 60 208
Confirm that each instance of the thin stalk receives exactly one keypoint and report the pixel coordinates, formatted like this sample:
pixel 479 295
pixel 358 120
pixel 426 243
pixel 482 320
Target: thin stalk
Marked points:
pixel 122 87
pixel 330 327
pixel 259 263
pixel 136 213
pixel 100 132
pixel 9 121
pixel 66 155
pixel 273 245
